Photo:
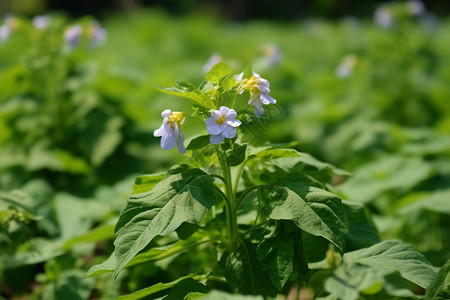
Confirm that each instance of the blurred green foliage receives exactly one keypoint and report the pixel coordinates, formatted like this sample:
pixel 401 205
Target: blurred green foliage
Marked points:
pixel 76 126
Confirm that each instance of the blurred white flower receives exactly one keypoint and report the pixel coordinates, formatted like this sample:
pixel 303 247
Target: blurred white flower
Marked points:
pixel 96 33
pixel 259 92
pixel 222 124
pixel 383 17
pixel 41 22
pixel 9 24
pixel 73 35
pixel 170 132
pixel 416 7
pixel 346 66
pixel 212 61
pixel 272 54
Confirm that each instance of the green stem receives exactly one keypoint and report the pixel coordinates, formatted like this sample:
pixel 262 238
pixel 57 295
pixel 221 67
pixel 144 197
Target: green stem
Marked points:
pixel 238 176
pixel 231 203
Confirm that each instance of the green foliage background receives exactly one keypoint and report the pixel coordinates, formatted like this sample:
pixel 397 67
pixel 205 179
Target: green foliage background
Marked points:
pixel 76 129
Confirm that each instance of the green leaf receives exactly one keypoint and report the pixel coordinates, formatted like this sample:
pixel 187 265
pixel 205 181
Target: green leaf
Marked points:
pixel 439 288
pixel 244 273
pixel 219 295
pixel 187 90
pixel 351 281
pixel 395 256
pixel 385 174
pixel 178 198
pixel 145 183
pixel 98 234
pixel 362 231
pixel 276 254
pixel 217 72
pixel 198 142
pixel 234 152
pixel 184 287
pixel 155 288
pixel 312 209
pixel 436 201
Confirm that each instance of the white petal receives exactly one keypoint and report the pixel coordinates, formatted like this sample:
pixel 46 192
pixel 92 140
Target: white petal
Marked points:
pixel 210 121
pixel 259 110
pixel 169 140
pixel 263 82
pixel 159 132
pixel 231 114
pixel 215 114
pixel 229 132
pixel 213 129
pixel 224 110
pixel 216 139
pixel 264 89
pixel 266 99
pixel 166 113
pixel 234 123
pixel 240 77
pixel 180 145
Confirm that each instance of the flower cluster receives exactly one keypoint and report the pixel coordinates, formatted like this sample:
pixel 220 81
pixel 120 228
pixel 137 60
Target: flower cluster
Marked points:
pixel 223 121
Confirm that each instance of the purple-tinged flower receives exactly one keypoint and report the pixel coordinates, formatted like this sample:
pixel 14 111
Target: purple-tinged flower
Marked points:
pixel 96 33
pixel 383 17
pixel 222 124
pixel 41 22
pixel 259 89
pixel 170 132
pixel 346 66
pixel 73 35
pixel 9 24
pixel 416 7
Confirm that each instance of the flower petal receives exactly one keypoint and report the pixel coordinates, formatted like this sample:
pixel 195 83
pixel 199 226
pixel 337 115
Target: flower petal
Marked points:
pixel 166 113
pixel 231 114
pixel 210 121
pixel 169 140
pixel 229 132
pixel 259 110
pixel 234 123
pixel 266 99
pixel 223 110
pixel 213 129
pixel 215 114
pixel 216 139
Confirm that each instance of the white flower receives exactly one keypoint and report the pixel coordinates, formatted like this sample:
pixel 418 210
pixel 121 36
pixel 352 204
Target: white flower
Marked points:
pixel 9 24
pixel 170 132
pixel 41 22
pixel 259 92
pixel 383 17
pixel 222 124
pixel 96 33
pixel 346 66
pixel 73 35
pixel 416 7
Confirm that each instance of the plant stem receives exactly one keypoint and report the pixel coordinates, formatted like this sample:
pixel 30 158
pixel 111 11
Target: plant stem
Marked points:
pixel 231 203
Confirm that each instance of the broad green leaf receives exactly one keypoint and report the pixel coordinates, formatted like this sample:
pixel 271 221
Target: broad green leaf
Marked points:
pixel 234 152
pixel 198 142
pixel 105 267
pixel 156 288
pixel 187 90
pixel 108 141
pixel 385 174
pixel 37 250
pixel 244 273
pixel 145 183
pixel 219 295
pixel 437 201
pixel 312 209
pixel 178 198
pixel 439 288
pixel 355 281
pixel 184 287
pixel 217 72
pixel 276 255
pixel 362 232
pixel 98 234
pixel 395 256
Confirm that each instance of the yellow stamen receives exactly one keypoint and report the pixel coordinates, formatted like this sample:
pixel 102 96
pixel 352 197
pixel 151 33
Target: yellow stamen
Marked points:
pixel 221 119
pixel 250 85
pixel 176 117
